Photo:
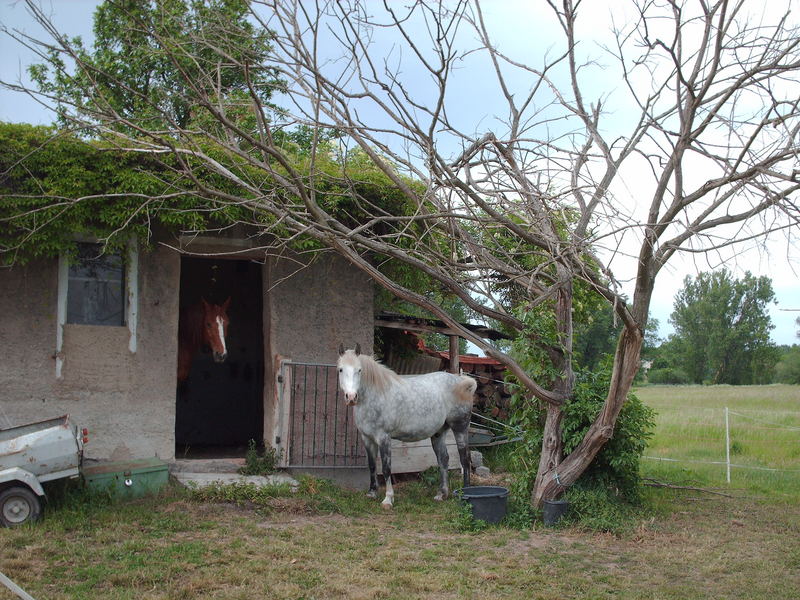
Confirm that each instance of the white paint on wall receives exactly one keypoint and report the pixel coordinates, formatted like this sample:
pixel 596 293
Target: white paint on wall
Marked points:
pixel 132 279
pixel 61 312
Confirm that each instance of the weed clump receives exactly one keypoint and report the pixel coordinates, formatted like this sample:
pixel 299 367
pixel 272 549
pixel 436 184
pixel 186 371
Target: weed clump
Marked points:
pixel 240 493
pixel 311 496
pixel 597 508
pixel 259 462
pixel 462 521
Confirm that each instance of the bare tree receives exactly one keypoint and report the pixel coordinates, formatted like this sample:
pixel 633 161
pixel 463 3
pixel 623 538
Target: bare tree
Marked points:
pixel 694 149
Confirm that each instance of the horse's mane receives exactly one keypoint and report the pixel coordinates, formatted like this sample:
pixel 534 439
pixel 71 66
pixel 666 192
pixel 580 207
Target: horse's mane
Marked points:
pixel 376 375
pixel 190 326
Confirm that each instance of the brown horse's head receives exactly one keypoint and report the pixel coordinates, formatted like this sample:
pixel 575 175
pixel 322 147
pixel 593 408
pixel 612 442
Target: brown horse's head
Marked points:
pixel 215 328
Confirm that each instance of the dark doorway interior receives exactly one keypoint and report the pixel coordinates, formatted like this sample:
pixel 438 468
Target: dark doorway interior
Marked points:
pixel 220 407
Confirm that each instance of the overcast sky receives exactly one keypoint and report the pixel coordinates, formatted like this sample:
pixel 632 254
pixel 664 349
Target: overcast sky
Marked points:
pixel 74 17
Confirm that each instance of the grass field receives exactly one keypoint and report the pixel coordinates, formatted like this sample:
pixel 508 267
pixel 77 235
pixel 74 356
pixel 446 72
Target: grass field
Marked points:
pixel 322 542
pixel 764 435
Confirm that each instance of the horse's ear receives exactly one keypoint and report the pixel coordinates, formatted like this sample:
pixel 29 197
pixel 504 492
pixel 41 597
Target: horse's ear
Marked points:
pixel 341 349
pixel 358 349
pixel 226 303
pixel 205 304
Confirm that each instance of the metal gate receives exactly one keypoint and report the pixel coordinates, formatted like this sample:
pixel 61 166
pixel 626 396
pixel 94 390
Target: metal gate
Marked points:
pixel 319 427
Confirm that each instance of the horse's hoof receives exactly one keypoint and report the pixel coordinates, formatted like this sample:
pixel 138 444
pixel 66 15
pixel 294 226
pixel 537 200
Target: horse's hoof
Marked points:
pixel 372 495
pixel 440 497
pixel 386 505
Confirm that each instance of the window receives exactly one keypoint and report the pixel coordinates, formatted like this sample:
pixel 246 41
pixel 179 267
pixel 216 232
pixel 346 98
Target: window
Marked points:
pixel 96 288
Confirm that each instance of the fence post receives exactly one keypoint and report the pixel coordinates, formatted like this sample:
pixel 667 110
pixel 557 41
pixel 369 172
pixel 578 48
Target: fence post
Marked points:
pixel 15 589
pixel 727 447
pixel 283 393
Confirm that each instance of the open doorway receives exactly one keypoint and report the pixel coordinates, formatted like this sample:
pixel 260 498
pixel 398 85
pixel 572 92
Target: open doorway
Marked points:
pixel 220 406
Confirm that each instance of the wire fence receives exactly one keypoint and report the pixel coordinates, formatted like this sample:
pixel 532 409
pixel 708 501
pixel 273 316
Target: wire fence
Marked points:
pixel 739 430
pixel 754 423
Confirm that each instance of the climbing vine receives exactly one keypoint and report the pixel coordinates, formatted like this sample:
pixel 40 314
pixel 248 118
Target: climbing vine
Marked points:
pixel 57 188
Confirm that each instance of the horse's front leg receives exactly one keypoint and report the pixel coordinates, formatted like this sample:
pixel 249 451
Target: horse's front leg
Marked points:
pixel 386 463
pixel 461 433
pixel 439 443
pixel 372 451
pixel 462 442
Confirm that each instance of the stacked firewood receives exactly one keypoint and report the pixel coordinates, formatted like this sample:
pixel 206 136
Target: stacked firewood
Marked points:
pixel 493 396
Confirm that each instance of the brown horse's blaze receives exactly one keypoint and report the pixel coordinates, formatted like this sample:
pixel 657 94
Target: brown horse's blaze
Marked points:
pixel 215 328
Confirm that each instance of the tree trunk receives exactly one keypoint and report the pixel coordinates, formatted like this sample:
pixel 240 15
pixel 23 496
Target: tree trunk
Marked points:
pixel 555 477
pixel 550 457
pixel 552 445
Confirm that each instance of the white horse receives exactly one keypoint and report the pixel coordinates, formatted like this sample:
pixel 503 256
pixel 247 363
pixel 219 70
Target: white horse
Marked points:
pixel 407 408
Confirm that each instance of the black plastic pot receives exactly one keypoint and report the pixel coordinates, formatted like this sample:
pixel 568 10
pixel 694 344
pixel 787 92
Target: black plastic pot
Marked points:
pixel 488 502
pixel 554 510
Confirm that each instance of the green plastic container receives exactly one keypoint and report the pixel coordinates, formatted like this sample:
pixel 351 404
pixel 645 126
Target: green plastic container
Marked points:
pixel 127 479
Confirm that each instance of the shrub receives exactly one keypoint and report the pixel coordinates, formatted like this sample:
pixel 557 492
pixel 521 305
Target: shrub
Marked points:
pixel 616 466
pixel 788 369
pixel 668 375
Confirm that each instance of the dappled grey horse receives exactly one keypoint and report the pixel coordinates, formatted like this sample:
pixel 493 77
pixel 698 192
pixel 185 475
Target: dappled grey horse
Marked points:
pixel 407 408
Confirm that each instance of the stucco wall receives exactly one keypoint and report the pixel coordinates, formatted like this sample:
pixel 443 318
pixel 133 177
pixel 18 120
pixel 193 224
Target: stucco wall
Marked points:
pixel 127 400
pixel 312 308
pixel 316 307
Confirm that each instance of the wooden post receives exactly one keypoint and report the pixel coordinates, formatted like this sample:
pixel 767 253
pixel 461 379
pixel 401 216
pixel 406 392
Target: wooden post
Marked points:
pixel 283 415
pixel 727 447
pixel 455 367
pixel 15 589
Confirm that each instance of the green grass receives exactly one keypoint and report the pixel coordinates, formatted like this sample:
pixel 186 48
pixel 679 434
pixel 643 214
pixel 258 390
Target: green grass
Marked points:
pixel 764 434
pixel 323 542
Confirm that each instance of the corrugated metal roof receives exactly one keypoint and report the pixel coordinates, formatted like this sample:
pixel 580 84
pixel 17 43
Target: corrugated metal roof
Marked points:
pixel 410 323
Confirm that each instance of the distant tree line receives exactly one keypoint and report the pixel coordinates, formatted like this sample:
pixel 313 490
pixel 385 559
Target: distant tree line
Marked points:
pixel 722 335
pixel 788 368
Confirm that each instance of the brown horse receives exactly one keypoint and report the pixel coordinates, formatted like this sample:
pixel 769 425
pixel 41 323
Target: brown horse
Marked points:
pixel 198 325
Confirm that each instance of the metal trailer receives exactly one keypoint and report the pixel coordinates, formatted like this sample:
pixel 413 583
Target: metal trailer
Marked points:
pixel 33 454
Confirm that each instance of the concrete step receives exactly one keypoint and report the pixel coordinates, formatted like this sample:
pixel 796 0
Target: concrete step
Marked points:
pixel 206 479
pixel 206 465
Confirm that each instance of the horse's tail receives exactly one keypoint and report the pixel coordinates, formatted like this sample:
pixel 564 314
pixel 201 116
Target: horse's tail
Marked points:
pixel 465 390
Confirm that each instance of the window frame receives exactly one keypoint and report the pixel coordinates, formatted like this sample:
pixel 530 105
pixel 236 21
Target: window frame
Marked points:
pixel 96 287
pixel 131 308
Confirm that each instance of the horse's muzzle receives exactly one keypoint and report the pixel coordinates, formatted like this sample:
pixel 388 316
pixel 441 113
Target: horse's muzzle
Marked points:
pixel 351 399
pixel 220 356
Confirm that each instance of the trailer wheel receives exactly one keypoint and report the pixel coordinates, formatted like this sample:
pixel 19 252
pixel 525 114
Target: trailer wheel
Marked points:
pixel 18 505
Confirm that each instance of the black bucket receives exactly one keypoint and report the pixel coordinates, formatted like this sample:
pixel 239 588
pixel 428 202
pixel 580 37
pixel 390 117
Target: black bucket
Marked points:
pixel 554 510
pixel 488 502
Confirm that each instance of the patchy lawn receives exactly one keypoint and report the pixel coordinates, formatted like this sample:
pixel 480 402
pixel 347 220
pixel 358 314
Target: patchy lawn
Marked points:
pixel 315 545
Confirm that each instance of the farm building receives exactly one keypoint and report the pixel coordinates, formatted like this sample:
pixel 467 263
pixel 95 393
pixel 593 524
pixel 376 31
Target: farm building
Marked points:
pixel 98 339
